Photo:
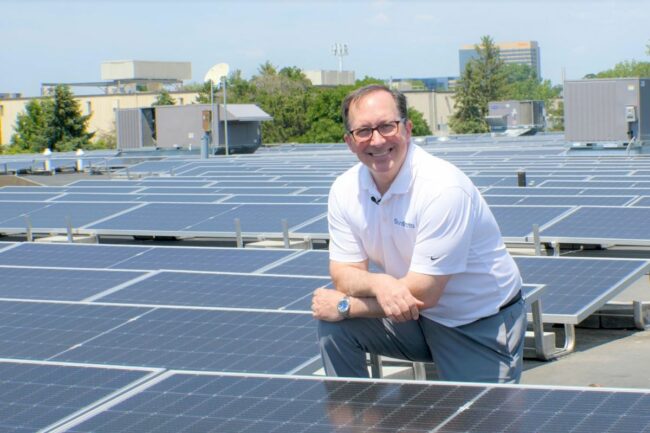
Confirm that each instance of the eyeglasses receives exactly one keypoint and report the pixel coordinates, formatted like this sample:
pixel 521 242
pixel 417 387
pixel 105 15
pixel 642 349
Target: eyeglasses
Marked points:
pixel 386 130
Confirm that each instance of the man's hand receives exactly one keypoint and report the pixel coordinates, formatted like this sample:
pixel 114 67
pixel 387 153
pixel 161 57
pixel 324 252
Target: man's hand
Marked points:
pixel 324 303
pixel 396 300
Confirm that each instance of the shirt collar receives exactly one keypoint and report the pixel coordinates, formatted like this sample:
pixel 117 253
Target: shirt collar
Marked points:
pixel 400 184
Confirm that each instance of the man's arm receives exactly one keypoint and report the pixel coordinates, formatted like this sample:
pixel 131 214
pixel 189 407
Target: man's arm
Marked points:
pixel 378 295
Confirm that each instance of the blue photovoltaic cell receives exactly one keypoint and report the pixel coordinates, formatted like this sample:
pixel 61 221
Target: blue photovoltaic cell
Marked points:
pixel 240 341
pixel 53 215
pixel 309 263
pixel 27 196
pixel 97 197
pixel 186 403
pixel 269 189
pixel 33 396
pixel 258 218
pixel 603 223
pixel 59 284
pixel 241 198
pixel 576 286
pixel 595 184
pixel 220 290
pixel 11 210
pixel 109 188
pixel 179 190
pixel 502 199
pixel 534 191
pixel 643 201
pixel 204 259
pixel 517 221
pixel 69 255
pixel 40 330
pixel 577 200
pixel 165 217
pixel 144 198
pixel 318 227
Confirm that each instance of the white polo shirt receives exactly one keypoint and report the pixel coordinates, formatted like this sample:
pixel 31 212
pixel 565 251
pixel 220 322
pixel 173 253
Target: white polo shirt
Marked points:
pixel 432 221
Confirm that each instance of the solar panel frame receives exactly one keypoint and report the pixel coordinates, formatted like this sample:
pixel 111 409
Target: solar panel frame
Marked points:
pixel 193 401
pixel 576 287
pixel 596 225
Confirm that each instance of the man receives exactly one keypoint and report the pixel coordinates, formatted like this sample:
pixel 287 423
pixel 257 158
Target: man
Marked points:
pixel 449 292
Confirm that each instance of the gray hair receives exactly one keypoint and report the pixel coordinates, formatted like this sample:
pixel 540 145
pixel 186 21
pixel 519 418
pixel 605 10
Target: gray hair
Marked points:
pixel 356 95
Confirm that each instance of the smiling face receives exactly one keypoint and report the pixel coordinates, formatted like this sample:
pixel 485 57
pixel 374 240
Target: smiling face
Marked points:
pixel 383 156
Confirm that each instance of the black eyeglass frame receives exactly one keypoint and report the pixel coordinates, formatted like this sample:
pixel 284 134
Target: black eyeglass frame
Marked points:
pixel 376 128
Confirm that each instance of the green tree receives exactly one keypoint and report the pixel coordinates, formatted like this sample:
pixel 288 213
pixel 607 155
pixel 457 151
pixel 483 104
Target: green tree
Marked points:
pixel 164 98
pixel 627 68
pixel 67 128
pixel 284 95
pixel 203 96
pixel 523 84
pixel 420 126
pixel 483 80
pixel 31 128
pixel 555 111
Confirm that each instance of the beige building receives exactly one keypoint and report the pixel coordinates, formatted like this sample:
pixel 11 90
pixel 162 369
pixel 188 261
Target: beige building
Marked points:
pixel 436 107
pixel 102 108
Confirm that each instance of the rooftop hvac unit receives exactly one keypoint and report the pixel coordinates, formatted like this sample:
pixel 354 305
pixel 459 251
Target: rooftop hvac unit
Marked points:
pixel 607 110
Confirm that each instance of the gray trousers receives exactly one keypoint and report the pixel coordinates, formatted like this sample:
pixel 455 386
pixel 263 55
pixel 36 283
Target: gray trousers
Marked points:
pixel 487 350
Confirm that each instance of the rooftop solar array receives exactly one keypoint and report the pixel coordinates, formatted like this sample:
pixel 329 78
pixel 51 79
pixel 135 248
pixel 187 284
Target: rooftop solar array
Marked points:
pixel 109 338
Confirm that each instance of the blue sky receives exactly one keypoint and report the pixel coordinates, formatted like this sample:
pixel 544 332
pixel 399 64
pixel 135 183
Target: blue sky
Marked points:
pixel 66 41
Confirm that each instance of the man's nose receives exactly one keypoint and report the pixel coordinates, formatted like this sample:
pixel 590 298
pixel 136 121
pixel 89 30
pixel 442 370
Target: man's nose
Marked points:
pixel 377 138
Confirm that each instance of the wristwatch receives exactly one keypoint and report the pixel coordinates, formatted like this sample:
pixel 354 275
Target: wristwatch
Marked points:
pixel 343 307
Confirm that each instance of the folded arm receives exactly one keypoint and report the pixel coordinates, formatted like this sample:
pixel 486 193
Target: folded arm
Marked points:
pixel 378 295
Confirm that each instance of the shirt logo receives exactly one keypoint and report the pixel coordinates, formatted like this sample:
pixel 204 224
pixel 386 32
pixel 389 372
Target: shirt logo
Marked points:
pixel 403 224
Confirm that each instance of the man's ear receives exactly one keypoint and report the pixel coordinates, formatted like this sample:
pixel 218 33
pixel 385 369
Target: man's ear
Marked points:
pixel 350 142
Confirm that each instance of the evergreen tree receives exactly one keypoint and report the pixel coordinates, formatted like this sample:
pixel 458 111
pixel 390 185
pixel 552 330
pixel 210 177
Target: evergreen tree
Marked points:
pixel 67 127
pixel 483 80
pixel 164 98
pixel 31 128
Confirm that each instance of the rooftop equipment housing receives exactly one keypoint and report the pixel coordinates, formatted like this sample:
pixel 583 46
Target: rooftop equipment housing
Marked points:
pixel 182 127
pixel 608 113
pixel 516 118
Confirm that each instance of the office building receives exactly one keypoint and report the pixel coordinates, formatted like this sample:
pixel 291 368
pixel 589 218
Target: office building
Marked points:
pixel 523 53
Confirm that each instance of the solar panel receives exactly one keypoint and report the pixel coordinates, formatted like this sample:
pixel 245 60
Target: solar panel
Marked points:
pixel 53 215
pixel 41 330
pixel 495 190
pixel 27 196
pixel 316 229
pixel 35 396
pixel 59 284
pixel 220 290
pixel 517 221
pixel 578 200
pixel 163 217
pixel 595 184
pixel 236 403
pixel 577 287
pixel 241 198
pixel 205 259
pixel 69 255
pixel 642 201
pixel 621 225
pixel 258 218
pixel 240 341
